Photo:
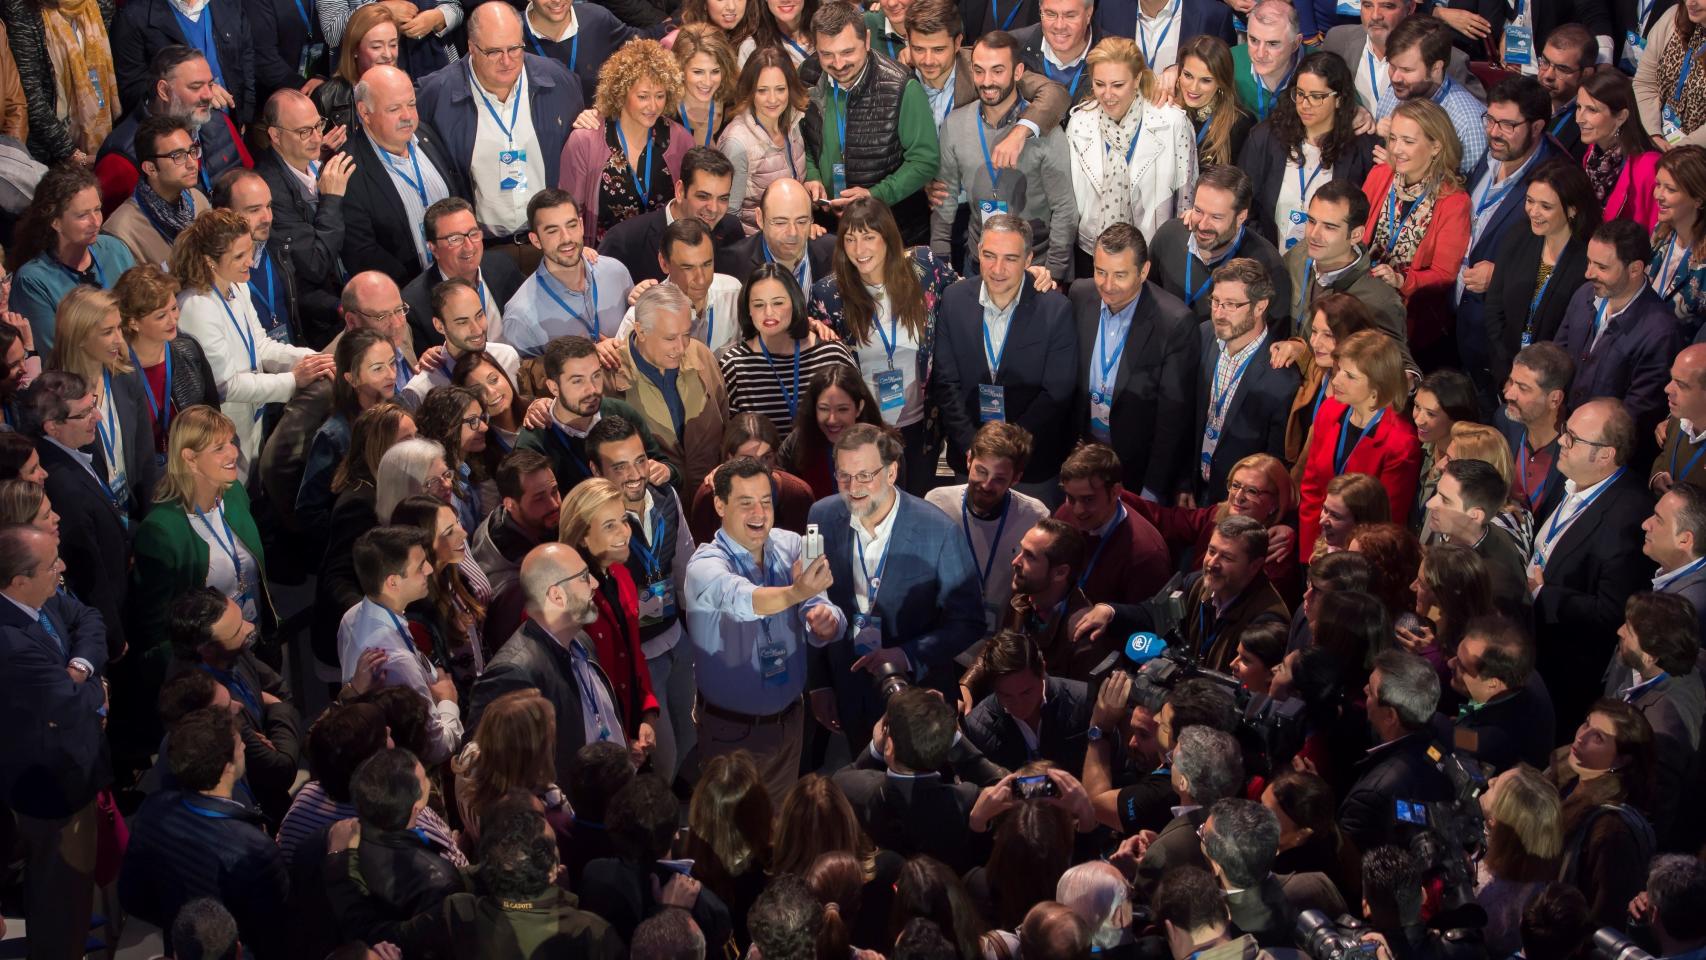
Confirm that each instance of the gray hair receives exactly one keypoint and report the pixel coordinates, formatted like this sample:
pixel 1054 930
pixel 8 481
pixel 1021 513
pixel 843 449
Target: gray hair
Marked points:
pixel 1008 223
pixel 1409 685
pixel 1249 533
pixel 403 472
pixel 669 935
pixel 1210 763
pixel 363 93
pixel 1676 885
pixel 1095 891
pixel 661 299
pixel 1244 842
pixel 1269 12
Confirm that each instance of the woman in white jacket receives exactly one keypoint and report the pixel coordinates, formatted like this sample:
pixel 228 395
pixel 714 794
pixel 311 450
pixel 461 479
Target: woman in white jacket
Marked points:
pixel 1132 161
pixel 211 260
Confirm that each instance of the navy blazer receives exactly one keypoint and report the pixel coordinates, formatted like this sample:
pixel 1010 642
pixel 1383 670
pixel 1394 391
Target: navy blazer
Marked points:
pixel 143 28
pixel 1153 402
pixel 1031 52
pixel 1119 18
pixel 93 539
pixel 312 230
pixel 739 258
pixel 1473 344
pixel 283 32
pixel 554 99
pixel 53 756
pixel 1039 371
pixel 1256 416
pixel 502 278
pixel 930 602
pixel 598 34
pixel 1632 359
pixel 636 242
pixel 378 233
pixel 1552 488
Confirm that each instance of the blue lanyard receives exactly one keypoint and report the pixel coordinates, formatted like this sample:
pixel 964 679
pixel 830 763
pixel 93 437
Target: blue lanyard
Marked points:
pixel 1237 377
pixel 1059 76
pixel 108 427
pixel 1267 99
pixel 1687 68
pixel 1304 185
pixel 1105 363
pixel 793 397
pixel 988 164
pixel 990 353
pixel 1563 118
pixel 1131 148
pixel 1161 41
pixel 514 107
pixel 842 105
pixel 1558 519
pixel 1005 24
pixel 244 335
pixel 1691 460
pixel 238 687
pixel 1119 520
pixel 873 583
pixel 790 41
pixel 1395 226
pixel 1374 78
pixel 1664 286
pixel 1207 640
pixel 1534 303
pixel 1202 131
pixel 891 340
pixel 651 556
pixel 759 576
pixel 204 812
pixel 160 408
pixel 1522 460
pixel 563 435
pixel 574 44
pixel 995 543
pixel 710 123
pixel 589 296
pixel 419 183
pixel 644 188
pixel 1192 296
pixel 799 268
pixel 1320 395
pixel 307 21
pixel 227 543
pixel 266 271
pixel 1598 324
pixel 402 630
pixel 1340 454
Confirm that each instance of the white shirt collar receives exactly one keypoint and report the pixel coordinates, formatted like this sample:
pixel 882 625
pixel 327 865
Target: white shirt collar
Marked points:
pixel 571 431
pixel 1571 491
pixel 884 529
pixel 1049 55
pixel 569 30
pixel 1694 434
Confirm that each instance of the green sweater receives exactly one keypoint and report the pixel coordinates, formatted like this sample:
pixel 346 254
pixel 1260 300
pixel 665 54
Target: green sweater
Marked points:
pixel 172 559
pixel 917 139
pixel 1249 95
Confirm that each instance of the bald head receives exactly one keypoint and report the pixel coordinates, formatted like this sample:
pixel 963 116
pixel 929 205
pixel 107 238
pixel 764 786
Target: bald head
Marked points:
pixel 385 101
pixel 293 127
pixel 1687 388
pixel 494 23
pixel 785 210
pixel 558 587
pixel 372 301
pixel 1051 931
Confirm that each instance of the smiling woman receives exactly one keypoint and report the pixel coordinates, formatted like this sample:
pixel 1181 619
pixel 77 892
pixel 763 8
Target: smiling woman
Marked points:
pixel 778 355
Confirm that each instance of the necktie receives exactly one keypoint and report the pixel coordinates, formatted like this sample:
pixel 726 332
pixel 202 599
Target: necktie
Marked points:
pixel 47 624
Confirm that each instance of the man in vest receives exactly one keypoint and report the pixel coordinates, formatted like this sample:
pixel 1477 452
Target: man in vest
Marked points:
pixel 183 88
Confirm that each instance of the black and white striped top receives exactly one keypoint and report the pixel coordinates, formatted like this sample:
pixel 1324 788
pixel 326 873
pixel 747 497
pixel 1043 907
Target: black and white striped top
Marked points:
pixel 758 385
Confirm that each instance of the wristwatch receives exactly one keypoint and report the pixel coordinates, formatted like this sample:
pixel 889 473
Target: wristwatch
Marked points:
pixel 1094 734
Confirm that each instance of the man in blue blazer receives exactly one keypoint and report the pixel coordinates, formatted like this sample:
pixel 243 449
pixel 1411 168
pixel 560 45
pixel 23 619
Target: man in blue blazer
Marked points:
pixel 53 760
pixel 1006 352
pixel 1517 145
pixel 1243 401
pixel 905 578
pixel 1118 18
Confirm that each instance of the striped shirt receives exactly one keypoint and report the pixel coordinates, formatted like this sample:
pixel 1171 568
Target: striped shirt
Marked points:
pixel 410 186
pixel 758 385
pixel 312 809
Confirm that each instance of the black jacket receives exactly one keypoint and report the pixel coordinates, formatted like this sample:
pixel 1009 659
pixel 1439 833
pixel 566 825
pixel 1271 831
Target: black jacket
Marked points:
pixel 271 732
pixel 1171 263
pixel 1256 416
pixel 378 233
pixel 143 28
pixel 621 893
pixel 637 242
pixel 388 879
pixel 1154 386
pixel 336 589
pixel 93 540
pixel 1031 52
pixel 1507 216
pixel 1066 717
pixel 916 815
pixel 312 231
pixel 1512 289
pixel 532 658
pixel 1397 770
pixel 1263 158
pixel 282 35
pixel 1512 729
pixel 498 271
pixel 739 258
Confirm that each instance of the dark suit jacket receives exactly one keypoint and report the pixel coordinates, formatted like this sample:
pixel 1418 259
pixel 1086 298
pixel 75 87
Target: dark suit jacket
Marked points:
pixel 1512 289
pixel 140 468
pixel 1119 18
pixel 1066 717
pixel 981 18
pixel 1255 416
pixel 313 232
pixel 554 99
pixel 53 757
pixel 1039 371
pixel 1632 359
pixel 378 233
pixel 1170 258
pixel 1591 570
pixel 620 893
pixel 1031 52
pixel 930 602
pixel 502 278
pixel 145 27
pixel 1263 158
pixel 1268 911
pixel 1507 572
pixel 1398 770
pixel 1693 589
pixel 1507 217
pixel 532 658
pixel 1543 18
pixel 636 243
pixel 739 258
pixel 916 815
pixel 1153 387
pixel 1177 845
pixel 1510 729
pixel 280 34
pixel 93 540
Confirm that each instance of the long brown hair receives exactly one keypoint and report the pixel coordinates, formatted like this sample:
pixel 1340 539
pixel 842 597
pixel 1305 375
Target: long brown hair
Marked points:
pixel 371 435
pixel 695 11
pixel 729 818
pixel 1614 89
pixel 1216 145
pixel 34 233
pixel 817 819
pixel 452 597
pixel 761 60
pixel 900 276
pixel 808 442
pixel 516 750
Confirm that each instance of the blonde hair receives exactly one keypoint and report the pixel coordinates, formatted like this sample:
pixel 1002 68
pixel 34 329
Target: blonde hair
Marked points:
pixel 634 61
pixel 586 499
pixel 1277 476
pixel 1125 52
pixel 1379 359
pixel 207 238
pixel 1436 127
pixel 696 38
pixel 1526 834
pixel 199 428
pixel 20 502
pixel 140 291
pixel 78 318
pixel 363 20
pixel 1477 441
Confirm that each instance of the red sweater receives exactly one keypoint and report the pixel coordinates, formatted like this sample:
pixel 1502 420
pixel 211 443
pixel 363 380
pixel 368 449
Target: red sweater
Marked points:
pixel 1431 278
pixel 1391 453
pixel 616 641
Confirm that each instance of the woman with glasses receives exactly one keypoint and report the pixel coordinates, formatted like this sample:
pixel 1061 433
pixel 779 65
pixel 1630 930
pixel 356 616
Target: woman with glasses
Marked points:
pixel 211 260
pixel 1259 488
pixel 881 300
pixel 365 377
pixel 628 164
pixel 1361 428
pixel 370 39
pixel 777 355
pixel 1620 161
pixel 1540 268
pixel 1309 140
pixel 455 417
pixel 199 534
pixel 1333 317
pixel 57 244
pixel 174 371
pixel 708 72
pixel 1206 91
pixel 1677 273
pixel 594 521
pixel 1418 221
pixel 753 435
pixel 458 589
pixel 1672 96
pixel 785 25
pixel 763 139
pixel 837 398
pixel 89 344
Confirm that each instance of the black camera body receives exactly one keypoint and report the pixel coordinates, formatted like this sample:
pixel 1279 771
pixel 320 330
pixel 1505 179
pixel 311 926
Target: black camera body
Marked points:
pixel 1324 938
pixel 1443 836
pixel 889 679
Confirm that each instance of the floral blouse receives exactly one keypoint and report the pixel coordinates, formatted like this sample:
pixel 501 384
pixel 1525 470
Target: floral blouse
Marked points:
pixel 619 185
pixel 934 276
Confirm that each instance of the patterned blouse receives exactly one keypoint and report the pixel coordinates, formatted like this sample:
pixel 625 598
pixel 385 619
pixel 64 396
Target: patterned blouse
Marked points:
pixel 934 275
pixel 1409 211
pixel 1679 277
pixel 620 185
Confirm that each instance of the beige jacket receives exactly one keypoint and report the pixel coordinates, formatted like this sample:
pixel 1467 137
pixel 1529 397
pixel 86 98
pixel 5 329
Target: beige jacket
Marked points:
pixel 704 399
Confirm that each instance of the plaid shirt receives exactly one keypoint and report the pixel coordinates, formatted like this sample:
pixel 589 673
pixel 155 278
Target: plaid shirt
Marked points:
pixel 1465 113
pixel 1228 371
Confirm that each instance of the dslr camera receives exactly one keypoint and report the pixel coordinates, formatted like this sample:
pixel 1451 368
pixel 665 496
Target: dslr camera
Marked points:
pixel 1323 938
pixel 1444 835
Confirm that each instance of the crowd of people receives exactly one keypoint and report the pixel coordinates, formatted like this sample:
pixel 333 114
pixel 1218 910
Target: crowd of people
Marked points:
pixel 559 385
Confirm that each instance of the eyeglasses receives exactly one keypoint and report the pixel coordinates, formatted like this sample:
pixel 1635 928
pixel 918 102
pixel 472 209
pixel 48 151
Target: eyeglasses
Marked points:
pixel 1543 63
pixel 1313 99
pixel 1219 304
pixel 1575 438
pixel 863 476
pixel 191 152
pixel 455 240
pixel 1504 126
pixel 85 415
pixel 507 53
pixel 1235 489
pixel 475 420
pixel 307 133
pixel 400 311
pixel 585 574
pixel 444 479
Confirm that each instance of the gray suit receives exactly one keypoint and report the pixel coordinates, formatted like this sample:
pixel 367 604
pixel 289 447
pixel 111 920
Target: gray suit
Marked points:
pixel 1347 41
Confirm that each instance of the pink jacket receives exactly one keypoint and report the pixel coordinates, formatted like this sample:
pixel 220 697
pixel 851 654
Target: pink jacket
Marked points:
pixel 583 161
pixel 1632 195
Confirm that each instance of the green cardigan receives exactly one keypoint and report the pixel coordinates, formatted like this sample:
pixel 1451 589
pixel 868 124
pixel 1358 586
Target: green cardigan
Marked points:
pixel 171 559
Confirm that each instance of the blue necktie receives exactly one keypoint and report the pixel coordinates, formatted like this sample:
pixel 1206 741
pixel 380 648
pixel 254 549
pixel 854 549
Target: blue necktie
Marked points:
pixel 47 624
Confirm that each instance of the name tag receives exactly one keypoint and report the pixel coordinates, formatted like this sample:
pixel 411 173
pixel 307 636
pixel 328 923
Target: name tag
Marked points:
pixel 279 332
pixel 657 602
pixel 991 402
pixel 1519 44
pixel 1634 46
pixel 1294 229
pixel 838 177
pixel 512 169
pixel 773 663
pixel 989 208
pixel 312 53
pixel 867 634
pixel 891 391
pixel 1101 409
pixel 1670 125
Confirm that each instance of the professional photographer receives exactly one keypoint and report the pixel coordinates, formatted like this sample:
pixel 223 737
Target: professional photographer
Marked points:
pixel 1393 890
pixel 1508 717
pixel 1231 593
pixel 1207 767
pixel 1240 838
pixel 1029 715
pixel 1402 693
pixel 1145 801
pixel 1192 913
pixel 1673 907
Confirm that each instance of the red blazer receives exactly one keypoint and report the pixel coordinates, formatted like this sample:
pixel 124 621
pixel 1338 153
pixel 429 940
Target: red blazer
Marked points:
pixel 616 641
pixel 1432 277
pixel 1392 454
